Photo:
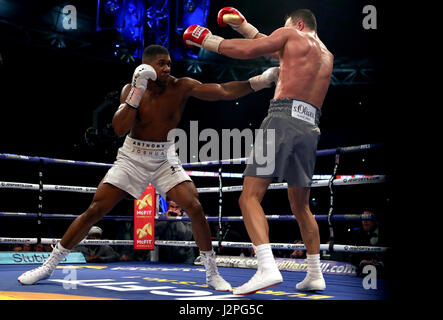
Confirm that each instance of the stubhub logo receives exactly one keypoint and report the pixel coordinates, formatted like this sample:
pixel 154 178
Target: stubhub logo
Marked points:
pixel 35 257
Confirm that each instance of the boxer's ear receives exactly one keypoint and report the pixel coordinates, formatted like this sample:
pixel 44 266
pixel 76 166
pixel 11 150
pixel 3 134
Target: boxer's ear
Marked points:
pixel 300 25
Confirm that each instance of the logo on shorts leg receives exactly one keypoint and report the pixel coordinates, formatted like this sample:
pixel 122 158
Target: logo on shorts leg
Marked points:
pixel 173 169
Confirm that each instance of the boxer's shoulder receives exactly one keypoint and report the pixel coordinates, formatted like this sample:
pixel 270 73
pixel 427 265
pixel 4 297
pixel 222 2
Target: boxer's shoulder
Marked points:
pixel 187 83
pixel 287 32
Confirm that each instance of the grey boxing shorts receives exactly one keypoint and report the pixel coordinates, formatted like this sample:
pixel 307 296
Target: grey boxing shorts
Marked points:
pixel 291 146
pixel 142 162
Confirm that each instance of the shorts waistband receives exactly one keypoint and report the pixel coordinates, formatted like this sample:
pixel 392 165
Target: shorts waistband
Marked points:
pixel 295 108
pixel 150 148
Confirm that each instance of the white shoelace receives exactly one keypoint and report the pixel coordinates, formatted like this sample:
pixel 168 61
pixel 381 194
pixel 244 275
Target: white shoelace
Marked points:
pixel 42 270
pixel 210 264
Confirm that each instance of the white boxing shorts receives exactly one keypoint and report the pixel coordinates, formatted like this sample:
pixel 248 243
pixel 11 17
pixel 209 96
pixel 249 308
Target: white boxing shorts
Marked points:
pixel 141 162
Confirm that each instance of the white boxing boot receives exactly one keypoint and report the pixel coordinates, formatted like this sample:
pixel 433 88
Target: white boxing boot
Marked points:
pixel 47 268
pixel 314 279
pixel 267 274
pixel 213 278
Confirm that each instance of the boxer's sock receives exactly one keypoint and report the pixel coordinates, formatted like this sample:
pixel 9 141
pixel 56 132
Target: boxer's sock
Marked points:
pixel 314 277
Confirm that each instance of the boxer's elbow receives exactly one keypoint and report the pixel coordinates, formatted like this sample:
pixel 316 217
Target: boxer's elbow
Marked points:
pixel 122 121
pixel 119 129
pixel 249 52
pixel 120 133
pixel 245 53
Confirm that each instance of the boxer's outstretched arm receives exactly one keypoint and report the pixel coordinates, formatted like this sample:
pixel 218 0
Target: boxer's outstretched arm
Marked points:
pixel 124 117
pixel 274 55
pixel 214 91
pixel 254 48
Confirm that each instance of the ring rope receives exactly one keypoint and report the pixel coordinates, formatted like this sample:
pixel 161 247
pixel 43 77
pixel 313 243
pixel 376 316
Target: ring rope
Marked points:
pixel 332 181
pixel 323 152
pixel 274 217
pixel 176 243
pixel 273 186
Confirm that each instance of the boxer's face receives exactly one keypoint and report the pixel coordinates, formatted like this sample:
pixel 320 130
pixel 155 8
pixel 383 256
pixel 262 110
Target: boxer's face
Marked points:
pixel 162 65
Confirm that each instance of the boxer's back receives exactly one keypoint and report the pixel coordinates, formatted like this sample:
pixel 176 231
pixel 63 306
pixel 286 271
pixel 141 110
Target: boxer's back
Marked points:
pixel 305 68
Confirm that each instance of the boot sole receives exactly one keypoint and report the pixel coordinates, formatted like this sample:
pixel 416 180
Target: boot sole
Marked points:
pixel 254 291
pixel 308 290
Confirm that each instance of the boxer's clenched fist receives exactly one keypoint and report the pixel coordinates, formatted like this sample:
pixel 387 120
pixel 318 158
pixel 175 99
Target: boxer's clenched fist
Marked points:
pixel 140 79
pixel 232 17
pixel 265 80
pixel 201 37
pixel 142 74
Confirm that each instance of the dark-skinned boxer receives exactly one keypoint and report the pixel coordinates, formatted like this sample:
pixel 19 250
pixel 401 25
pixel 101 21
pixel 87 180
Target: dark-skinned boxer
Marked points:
pixel 151 106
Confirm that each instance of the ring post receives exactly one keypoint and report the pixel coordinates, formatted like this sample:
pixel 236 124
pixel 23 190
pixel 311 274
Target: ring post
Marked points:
pixel 331 199
pixel 220 206
pixel 41 167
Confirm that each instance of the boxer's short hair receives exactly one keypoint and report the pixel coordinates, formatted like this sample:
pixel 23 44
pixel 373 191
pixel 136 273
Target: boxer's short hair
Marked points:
pixel 307 16
pixel 153 50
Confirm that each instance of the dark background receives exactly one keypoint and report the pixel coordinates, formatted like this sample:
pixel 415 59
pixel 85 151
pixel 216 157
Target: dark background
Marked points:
pixel 49 95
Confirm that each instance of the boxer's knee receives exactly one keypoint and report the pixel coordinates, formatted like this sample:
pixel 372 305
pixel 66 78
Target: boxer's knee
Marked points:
pixel 192 206
pixel 247 198
pixel 242 201
pixel 95 212
pixel 299 209
pixel 299 201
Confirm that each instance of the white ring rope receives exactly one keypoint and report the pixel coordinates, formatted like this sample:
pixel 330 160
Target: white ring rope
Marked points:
pixel 226 244
pixel 272 186
pixel 162 217
pixel 323 152
pixel 275 186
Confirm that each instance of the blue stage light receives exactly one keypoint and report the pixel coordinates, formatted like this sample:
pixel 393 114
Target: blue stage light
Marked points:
pixel 111 7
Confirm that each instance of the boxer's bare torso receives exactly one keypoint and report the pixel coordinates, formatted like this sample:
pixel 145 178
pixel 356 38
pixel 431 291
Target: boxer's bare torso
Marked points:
pixel 305 68
pixel 160 110
pixel 305 62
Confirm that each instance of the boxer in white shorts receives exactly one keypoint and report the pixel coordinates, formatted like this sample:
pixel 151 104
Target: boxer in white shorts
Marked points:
pixel 139 161
pixel 151 106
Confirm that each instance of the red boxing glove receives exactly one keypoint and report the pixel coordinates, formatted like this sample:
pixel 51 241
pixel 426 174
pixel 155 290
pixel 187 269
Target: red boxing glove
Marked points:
pixel 232 17
pixel 195 35
pixel 229 10
pixel 201 37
